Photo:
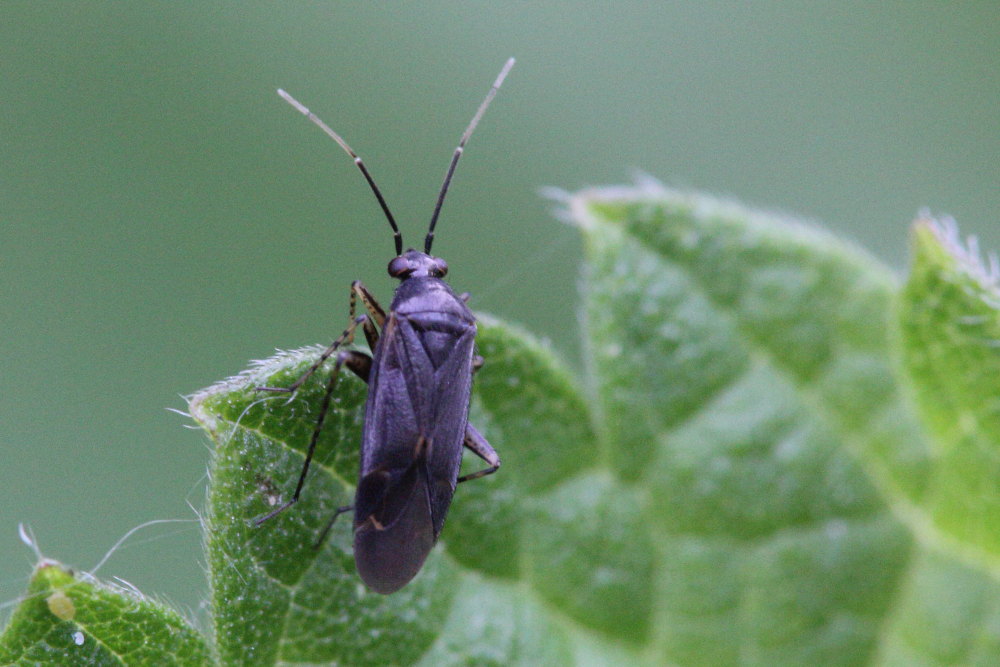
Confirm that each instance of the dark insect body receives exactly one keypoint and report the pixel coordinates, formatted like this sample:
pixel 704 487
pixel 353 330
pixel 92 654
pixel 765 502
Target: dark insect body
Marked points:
pixel 419 382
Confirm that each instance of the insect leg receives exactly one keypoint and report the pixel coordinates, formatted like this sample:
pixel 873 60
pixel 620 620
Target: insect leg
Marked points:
pixel 375 312
pixel 475 441
pixel 345 338
pixel 329 525
pixel 358 362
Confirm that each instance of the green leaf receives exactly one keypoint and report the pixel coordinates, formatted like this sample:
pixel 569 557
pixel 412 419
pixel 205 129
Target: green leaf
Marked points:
pixel 72 619
pixel 947 613
pixel 740 482
pixel 277 599
pixel 742 364
pixel 949 322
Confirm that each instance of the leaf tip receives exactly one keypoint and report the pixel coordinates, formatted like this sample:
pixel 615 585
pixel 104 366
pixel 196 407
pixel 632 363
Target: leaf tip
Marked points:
pixel 938 241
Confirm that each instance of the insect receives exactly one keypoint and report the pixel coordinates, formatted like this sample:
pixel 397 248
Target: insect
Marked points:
pixel 61 605
pixel 419 379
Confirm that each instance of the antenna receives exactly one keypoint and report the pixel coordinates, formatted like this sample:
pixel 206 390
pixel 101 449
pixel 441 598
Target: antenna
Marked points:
pixel 458 152
pixel 396 236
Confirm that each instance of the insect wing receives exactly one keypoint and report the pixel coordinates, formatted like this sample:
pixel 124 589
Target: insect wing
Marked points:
pixel 419 391
pixel 389 555
pixel 415 424
pixel 443 395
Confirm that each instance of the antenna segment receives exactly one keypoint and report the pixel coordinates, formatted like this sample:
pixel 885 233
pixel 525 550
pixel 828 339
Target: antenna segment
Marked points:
pixel 396 236
pixel 458 152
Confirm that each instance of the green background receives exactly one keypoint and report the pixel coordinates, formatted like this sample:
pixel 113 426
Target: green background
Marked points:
pixel 165 217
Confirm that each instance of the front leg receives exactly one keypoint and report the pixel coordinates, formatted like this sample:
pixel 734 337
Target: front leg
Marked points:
pixel 345 338
pixel 375 312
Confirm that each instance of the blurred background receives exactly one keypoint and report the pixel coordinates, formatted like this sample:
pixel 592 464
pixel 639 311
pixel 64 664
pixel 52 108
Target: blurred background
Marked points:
pixel 165 217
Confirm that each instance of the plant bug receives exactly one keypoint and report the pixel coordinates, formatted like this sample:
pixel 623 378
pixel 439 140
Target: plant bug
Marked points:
pixel 419 379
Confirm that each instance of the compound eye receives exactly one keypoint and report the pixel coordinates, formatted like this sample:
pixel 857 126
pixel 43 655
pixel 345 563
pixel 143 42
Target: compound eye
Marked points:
pixel 399 267
pixel 441 267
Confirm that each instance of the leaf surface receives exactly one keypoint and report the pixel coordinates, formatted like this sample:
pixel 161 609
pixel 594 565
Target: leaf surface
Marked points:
pixel 69 619
pixel 741 477
pixel 949 326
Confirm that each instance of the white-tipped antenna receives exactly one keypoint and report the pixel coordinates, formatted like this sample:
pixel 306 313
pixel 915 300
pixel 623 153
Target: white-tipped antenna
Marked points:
pixel 461 147
pixel 397 237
